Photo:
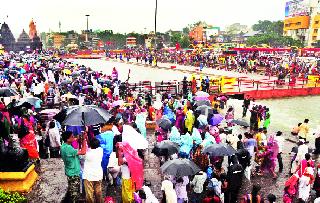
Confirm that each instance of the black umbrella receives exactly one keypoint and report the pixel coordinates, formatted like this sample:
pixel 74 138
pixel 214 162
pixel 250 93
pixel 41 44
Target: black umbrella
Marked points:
pixel 165 148
pixel 8 92
pixel 64 82
pixel 240 122
pixel 86 115
pixel 61 116
pixel 203 102
pixel 75 74
pixel 30 100
pixel 180 167
pixel 164 123
pixel 204 110
pixel 219 150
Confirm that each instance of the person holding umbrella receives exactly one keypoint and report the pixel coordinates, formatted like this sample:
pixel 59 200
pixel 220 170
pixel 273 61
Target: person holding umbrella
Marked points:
pixel 70 157
pixel 168 193
pixel 235 172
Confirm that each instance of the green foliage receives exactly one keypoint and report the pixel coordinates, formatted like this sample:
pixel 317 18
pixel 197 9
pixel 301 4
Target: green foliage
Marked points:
pixel 273 40
pixel 266 26
pixel 183 40
pixel 7 197
pixel 272 35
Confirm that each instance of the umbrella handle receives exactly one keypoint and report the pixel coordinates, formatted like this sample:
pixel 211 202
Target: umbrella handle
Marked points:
pixel 83 121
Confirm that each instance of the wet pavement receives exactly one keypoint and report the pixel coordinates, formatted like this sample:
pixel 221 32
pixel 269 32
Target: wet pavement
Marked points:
pixel 52 184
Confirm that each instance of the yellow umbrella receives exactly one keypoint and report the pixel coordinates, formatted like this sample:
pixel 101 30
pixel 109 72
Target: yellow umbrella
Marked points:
pixel 67 71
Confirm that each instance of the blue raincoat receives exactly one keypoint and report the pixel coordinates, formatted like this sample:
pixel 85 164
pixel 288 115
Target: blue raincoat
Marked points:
pixel 141 123
pixel 174 135
pixel 106 143
pixel 169 114
pixel 208 140
pixel 196 136
pixel 186 143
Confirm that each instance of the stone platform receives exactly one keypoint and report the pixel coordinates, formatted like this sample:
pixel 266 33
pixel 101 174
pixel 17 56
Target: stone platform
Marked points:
pixel 18 181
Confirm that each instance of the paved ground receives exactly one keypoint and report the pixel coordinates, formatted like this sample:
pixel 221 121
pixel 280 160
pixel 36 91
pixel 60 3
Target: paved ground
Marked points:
pixel 52 184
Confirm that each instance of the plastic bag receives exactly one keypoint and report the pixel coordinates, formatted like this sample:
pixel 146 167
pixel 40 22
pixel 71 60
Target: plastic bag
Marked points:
pixel 247 172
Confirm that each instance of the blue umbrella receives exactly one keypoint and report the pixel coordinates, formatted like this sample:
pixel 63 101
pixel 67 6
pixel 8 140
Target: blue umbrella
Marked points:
pixel 216 119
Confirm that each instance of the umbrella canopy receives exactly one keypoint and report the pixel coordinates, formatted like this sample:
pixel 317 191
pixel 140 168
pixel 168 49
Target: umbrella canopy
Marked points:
pixel 135 139
pixel 180 167
pixel 86 115
pixel 219 150
pixel 64 82
pixel 240 122
pixel 295 150
pixel 204 110
pixel 87 87
pixel 216 119
pixel 157 105
pixel 164 123
pixel 165 148
pixel 75 74
pixel 203 102
pixel 8 92
pixel 30 100
pixel 202 94
pixel 118 103
pixel 69 96
pixel 198 98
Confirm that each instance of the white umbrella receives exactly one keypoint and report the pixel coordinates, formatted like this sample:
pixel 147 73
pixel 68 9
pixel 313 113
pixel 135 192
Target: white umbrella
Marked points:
pixel 157 105
pixel 135 139
pixel 69 96
pixel 202 94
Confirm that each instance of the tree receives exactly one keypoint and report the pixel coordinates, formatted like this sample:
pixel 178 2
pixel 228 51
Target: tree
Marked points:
pixel 236 28
pixel 266 26
pixel 186 30
pixel 175 38
pixel 183 40
pixel 274 40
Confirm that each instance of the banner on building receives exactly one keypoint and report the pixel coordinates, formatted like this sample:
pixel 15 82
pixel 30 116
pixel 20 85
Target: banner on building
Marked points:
pixel 297 8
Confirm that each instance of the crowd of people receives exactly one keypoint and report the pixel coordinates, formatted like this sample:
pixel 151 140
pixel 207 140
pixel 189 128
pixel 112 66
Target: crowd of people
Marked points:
pixel 281 65
pixel 95 155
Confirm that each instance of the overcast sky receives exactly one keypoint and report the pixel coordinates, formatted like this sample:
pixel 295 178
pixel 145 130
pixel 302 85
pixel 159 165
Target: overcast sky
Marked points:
pixel 135 15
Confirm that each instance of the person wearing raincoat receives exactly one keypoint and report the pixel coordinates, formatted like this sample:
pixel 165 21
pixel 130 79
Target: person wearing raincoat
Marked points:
pixel 106 143
pixel 190 119
pixel 179 119
pixel 141 123
pixel 174 135
pixel 186 145
pixel 304 186
pixel 127 185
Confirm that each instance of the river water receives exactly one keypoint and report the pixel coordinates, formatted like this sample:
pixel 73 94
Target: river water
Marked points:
pixel 285 113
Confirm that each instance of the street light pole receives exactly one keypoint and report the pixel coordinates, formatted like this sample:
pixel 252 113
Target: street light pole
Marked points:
pixel 155 32
pixel 87 32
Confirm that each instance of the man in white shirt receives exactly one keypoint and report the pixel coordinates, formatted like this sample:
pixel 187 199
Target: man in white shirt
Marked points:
pixel 93 173
pixel 280 141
